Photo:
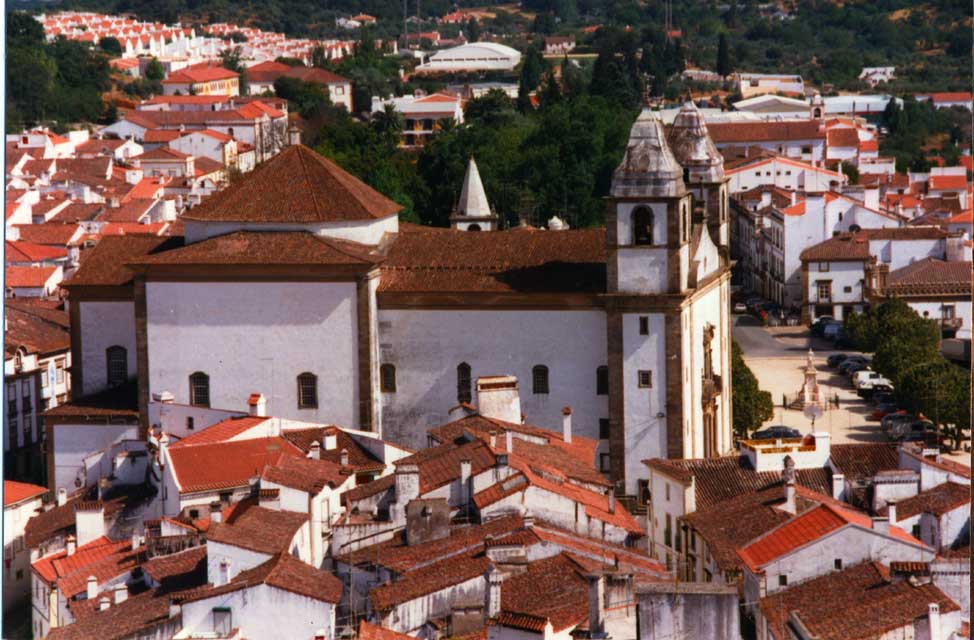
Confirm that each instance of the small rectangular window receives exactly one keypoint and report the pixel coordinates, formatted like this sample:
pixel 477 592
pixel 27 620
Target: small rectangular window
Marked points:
pixel 838 564
pixel 823 266
pixel 782 580
pixel 604 462
pixel 603 428
pixel 667 485
pixel 645 379
pixel 847 289
pixel 644 325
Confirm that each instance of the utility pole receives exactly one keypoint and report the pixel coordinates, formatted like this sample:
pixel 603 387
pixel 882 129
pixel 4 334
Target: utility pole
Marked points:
pixel 405 26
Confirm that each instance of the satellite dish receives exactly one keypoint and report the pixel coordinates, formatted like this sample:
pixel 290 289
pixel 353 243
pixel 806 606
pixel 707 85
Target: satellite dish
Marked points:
pixel 812 412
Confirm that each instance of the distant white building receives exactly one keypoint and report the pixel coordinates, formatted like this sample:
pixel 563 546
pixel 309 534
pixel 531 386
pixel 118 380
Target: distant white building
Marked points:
pixel 755 84
pixel 874 75
pixel 423 115
pixel 473 56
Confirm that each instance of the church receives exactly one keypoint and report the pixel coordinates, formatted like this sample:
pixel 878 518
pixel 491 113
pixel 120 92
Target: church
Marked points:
pixel 299 284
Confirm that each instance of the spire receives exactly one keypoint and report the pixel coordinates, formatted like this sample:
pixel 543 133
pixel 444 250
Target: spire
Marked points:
pixel 693 147
pixel 473 198
pixel 649 167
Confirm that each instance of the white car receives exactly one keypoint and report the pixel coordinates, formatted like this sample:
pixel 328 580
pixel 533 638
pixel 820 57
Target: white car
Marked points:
pixel 867 379
pixel 740 307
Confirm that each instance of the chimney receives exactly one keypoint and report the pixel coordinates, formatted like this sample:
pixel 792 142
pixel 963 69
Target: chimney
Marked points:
pixel 104 603
pixel 121 593
pixel 92 587
pixel 315 453
pixel 788 476
pixel 216 512
pixel 881 524
pixel 166 397
pixel 344 457
pixel 62 496
pixel 838 485
pixel 501 464
pixel 566 424
pixel 71 543
pixel 891 513
pixel 136 541
pixel 293 135
pixel 465 472
pixel 494 581
pixel 330 441
pixel 794 197
pixel 258 405
pixel 174 608
pixel 497 398
pixel 493 439
pixel 510 441
pixel 407 483
pixel 255 487
pixel 933 614
pixel 596 603
pixel 89 519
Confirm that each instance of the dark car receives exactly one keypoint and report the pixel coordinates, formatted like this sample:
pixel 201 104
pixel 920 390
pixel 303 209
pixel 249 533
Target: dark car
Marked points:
pixel 870 392
pixel 883 409
pixel 775 432
pixel 851 360
pixel 836 359
pixel 891 419
pixel 855 367
pixel 884 397
pixel 916 431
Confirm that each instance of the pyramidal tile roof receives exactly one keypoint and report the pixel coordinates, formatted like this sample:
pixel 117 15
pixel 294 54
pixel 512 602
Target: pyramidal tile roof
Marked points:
pixel 473 198
pixel 296 186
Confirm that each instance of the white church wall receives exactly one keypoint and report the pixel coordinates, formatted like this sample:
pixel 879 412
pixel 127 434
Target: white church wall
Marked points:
pixel 257 337
pixel 426 347
pixel 645 431
pixel 362 231
pixel 104 324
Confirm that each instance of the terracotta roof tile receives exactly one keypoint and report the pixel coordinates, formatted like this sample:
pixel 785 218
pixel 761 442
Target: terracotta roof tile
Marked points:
pixel 858 603
pixel 283 571
pixel 49 233
pixel 842 137
pixel 861 461
pixel 937 501
pixel 225 465
pixel 265 247
pixel 32 277
pixel 501 261
pixel 553 590
pixel 101 558
pixel 931 276
pixel 842 247
pixel 37 332
pixel 429 579
pixel 725 132
pixel 221 431
pixel 314 75
pixel 14 492
pixel 359 458
pixel 719 479
pixel 368 631
pixel 310 476
pixel 120 402
pixel 105 264
pixel 200 74
pixel 23 251
pixel 297 185
pixel 948 183
pixel 258 529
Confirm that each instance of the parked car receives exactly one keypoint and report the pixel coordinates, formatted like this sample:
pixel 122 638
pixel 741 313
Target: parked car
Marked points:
pixel 775 432
pixel 897 416
pixel 884 409
pixel 929 437
pixel 870 378
pixel 881 397
pixel 918 430
pixel 855 367
pixel 740 307
pixel 836 359
pixel 832 330
pixel 869 391
pixel 851 360
pixel 818 327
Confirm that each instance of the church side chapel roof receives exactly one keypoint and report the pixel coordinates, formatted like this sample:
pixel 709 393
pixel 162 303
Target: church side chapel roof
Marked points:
pixel 296 186
pixel 692 146
pixel 473 199
pixel 649 167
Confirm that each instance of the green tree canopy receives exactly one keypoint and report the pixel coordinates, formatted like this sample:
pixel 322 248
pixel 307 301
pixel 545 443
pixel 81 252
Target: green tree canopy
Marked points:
pixel 751 406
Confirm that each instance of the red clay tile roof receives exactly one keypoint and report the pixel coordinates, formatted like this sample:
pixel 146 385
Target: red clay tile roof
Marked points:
pixel 862 461
pixel 14 492
pixel 725 132
pixel 105 264
pixel 40 332
pixel 429 579
pixel 931 276
pixel 551 590
pixel 845 247
pixel 162 153
pixel 947 183
pixel 225 465
pixel 858 603
pixel 77 212
pixel 267 71
pixel 221 431
pixel 23 251
pixel 314 75
pixel 48 233
pixel 146 189
pixel 119 402
pixel 160 135
pixel 101 558
pixel 258 529
pixel 283 571
pixel 842 137
pixel 297 185
pixel 501 261
pixel 32 277
pixel 937 501
pixel 719 479
pixel 309 476
pixel 629 560
pixel 163 568
pixel 359 458
pixel 200 74
pixel 265 247
pixel 806 528
pixel 129 211
pixel 368 631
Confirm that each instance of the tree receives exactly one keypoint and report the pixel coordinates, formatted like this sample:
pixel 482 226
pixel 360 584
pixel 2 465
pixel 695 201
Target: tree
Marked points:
pixel 231 59
pixel 751 406
pixel 532 66
pixel 473 30
pixel 724 65
pixel 851 172
pixel 387 122
pixel 23 29
pixel 110 45
pixel 318 58
pixel 493 109
pixel 154 70
pixel 940 391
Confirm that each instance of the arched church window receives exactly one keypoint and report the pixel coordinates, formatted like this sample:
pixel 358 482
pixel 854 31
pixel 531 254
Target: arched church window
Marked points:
pixel 473 227
pixel 199 389
pixel 116 358
pixel 387 378
pixel 464 392
pixel 307 391
pixel 642 226
pixel 539 378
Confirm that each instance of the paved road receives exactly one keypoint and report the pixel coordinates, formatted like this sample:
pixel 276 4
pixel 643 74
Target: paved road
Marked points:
pixel 784 342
